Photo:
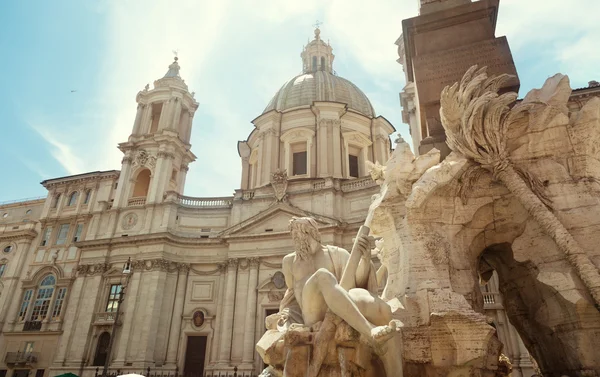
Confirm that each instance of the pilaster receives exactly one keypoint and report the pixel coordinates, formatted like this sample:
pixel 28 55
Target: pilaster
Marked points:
pixel 250 322
pixel 175 331
pixel 228 308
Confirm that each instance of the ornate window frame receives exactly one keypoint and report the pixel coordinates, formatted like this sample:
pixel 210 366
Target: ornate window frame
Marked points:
pixel 296 136
pixel 360 141
pixel 33 284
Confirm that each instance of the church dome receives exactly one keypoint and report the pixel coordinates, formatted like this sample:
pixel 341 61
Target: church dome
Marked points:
pixel 320 85
pixel 318 82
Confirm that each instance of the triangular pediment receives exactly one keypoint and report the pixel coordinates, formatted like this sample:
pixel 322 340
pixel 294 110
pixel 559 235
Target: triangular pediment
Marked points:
pixel 274 219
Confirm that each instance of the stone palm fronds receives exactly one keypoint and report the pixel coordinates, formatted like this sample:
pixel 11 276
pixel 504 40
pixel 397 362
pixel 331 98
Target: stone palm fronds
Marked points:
pixel 477 119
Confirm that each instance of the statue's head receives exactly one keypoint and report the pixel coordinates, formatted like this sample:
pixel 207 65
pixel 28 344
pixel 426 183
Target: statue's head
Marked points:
pixel 305 234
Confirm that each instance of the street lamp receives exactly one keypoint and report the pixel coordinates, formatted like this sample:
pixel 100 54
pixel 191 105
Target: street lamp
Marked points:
pixel 127 274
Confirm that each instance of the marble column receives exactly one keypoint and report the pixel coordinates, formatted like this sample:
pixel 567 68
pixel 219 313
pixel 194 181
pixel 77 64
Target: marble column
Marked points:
pixel 228 308
pixel 250 320
pixel 175 331
pixel 176 115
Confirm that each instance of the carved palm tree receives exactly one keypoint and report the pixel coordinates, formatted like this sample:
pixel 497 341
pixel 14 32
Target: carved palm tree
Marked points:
pixel 476 119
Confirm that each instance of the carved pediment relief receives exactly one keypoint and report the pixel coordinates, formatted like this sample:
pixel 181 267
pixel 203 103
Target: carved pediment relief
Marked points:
pixel 274 219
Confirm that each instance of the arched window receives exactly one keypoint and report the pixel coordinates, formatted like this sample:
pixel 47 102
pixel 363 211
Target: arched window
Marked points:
pixel 42 299
pixel 314 63
pixel 2 268
pixel 322 63
pixel 72 199
pixel 56 200
pixel 142 183
pixel 102 349
pixel 88 194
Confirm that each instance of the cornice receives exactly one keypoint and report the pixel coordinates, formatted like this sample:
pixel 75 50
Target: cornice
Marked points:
pixel 152 238
pixel 19 234
pixel 86 177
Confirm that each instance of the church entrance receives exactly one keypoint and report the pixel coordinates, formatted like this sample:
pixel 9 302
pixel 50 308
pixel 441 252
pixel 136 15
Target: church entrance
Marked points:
pixel 194 356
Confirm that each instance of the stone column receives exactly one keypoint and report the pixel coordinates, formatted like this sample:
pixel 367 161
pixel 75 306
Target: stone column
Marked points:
pixel 124 182
pixel 323 152
pixel 176 115
pixel 227 317
pixel 138 119
pixel 337 149
pixel 165 115
pixel 182 176
pixel 175 331
pixel 182 127
pixel 188 131
pixel 145 122
pixel 250 320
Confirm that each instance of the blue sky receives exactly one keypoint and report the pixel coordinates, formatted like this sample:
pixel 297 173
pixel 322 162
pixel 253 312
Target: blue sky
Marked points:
pixel 234 54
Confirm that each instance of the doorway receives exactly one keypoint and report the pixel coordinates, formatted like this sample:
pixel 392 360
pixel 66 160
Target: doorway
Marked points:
pixel 194 356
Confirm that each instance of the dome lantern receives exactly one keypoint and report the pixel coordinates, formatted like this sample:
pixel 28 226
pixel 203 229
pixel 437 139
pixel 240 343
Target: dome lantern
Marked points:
pixel 317 55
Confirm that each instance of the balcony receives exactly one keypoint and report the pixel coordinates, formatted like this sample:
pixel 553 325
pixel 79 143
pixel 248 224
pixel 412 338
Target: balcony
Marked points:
pixel 32 326
pixel 104 318
pixel 492 300
pixel 21 358
pixel 136 202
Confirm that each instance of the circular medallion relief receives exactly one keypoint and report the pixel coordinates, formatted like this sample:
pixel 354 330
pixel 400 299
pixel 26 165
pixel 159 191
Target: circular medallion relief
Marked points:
pixel 278 280
pixel 129 221
pixel 198 318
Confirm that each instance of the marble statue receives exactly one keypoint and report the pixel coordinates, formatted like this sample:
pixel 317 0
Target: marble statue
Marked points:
pixel 329 287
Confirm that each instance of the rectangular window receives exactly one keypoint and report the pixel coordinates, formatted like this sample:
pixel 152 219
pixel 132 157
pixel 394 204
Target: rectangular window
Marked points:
pixel 39 373
pixel 113 298
pixel 2 268
pixel 299 163
pixel 41 304
pixel 353 165
pixel 62 234
pixel 47 234
pixel 78 231
pixel 60 298
pixel 25 304
pixel 28 347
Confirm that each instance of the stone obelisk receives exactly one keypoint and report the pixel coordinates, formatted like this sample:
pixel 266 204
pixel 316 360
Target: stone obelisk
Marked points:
pixel 439 45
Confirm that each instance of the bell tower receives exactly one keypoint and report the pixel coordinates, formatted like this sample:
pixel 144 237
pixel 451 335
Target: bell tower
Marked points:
pixel 157 153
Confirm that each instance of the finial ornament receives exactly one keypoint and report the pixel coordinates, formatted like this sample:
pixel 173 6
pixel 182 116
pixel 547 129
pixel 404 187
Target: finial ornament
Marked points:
pixel 317 24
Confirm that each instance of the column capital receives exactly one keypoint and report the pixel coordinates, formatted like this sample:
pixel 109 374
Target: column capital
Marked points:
pixel 232 262
pixel 253 262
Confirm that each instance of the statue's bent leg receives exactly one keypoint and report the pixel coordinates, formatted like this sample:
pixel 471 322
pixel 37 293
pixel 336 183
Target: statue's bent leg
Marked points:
pixel 321 292
pixel 378 312
pixel 375 310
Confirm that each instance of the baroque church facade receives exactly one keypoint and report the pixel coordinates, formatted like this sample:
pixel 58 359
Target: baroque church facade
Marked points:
pixel 201 274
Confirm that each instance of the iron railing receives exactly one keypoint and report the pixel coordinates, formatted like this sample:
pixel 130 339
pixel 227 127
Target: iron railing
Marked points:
pixel 32 326
pixel 21 357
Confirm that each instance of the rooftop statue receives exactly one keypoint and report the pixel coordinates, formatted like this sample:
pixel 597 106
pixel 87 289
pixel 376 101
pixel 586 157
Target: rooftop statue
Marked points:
pixel 331 304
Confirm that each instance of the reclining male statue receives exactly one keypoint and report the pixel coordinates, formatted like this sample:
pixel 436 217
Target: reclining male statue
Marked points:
pixel 317 283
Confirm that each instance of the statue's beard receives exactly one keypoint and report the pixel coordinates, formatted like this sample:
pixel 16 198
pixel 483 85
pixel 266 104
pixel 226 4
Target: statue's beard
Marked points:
pixel 302 247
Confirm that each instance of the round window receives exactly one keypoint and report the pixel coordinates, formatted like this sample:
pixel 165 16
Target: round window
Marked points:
pixel 28 212
pixel 5 215
pixel 8 249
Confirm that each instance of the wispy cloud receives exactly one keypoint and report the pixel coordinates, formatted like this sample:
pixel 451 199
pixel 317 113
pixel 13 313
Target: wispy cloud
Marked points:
pixel 61 151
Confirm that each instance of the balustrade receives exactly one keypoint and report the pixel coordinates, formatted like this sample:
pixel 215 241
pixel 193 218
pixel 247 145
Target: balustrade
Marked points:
pixel 224 202
pixel 357 183
pixel 137 201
